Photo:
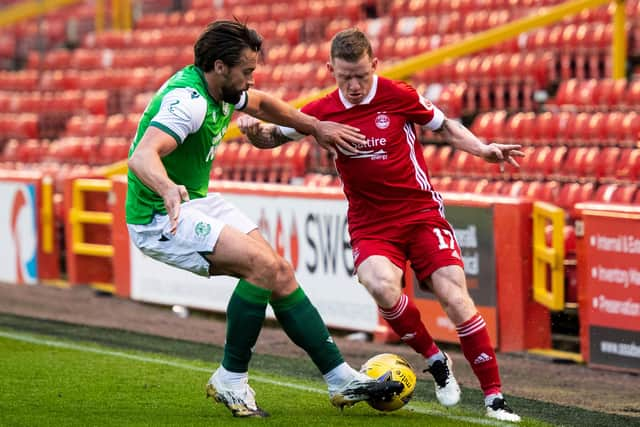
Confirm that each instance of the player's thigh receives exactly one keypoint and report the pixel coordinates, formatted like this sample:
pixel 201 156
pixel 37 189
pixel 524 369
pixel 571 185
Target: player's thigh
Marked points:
pixel 432 245
pixel 199 228
pixel 243 255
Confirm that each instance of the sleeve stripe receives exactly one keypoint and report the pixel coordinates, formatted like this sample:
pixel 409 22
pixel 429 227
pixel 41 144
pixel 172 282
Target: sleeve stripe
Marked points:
pixel 291 133
pixel 437 120
pixel 166 129
pixel 244 100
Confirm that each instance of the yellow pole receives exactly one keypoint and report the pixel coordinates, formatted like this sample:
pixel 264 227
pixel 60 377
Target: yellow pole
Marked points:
pixel 126 15
pixel 619 44
pixel 30 9
pixel 77 200
pixel 116 20
pixel 46 215
pixel 99 16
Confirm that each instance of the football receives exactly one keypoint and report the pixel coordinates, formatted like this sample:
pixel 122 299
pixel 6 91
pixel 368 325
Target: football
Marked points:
pixel 391 367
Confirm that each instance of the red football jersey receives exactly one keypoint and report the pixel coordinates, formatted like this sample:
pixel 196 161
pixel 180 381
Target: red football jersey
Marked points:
pixel 389 180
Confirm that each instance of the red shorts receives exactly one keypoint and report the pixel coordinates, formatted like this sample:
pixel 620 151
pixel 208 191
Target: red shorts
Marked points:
pixel 429 244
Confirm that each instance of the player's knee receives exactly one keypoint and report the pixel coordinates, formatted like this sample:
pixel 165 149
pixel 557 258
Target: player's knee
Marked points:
pixel 264 270
pixel 457 301
pixel 384 290
pixel 283 272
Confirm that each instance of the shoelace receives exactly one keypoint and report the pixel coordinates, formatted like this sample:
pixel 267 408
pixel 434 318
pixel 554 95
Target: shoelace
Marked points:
pixel 500 404
pixel 440 371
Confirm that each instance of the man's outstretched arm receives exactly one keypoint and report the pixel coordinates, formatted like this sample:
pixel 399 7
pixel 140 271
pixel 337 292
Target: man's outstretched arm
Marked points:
pixel 463 139
pixel 328 134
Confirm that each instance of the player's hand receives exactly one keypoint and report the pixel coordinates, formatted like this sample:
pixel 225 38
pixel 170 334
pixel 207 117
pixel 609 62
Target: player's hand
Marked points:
pixel 249 125
pixel 332 136
pixel 252 128
pixel 260 134
pixel 503 153
pixel 173 198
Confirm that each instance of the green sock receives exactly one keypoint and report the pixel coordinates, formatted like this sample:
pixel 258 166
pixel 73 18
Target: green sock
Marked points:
pixel 303 324
pixel 245 315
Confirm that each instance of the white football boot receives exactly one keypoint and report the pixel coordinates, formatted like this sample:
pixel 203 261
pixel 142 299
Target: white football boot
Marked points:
pixel 447 388
pixel 499 410
pixel 240 399
pixel 362 387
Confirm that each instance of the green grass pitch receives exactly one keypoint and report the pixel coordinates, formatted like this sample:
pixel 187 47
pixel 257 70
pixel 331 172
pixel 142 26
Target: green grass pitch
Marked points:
pixel 56 374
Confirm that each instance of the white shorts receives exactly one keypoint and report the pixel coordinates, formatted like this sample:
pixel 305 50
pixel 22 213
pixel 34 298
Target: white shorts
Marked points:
pixel 199 226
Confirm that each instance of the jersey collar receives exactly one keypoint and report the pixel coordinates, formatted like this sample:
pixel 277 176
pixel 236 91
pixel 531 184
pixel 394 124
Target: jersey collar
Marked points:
pixel 204 82
pixel 366 100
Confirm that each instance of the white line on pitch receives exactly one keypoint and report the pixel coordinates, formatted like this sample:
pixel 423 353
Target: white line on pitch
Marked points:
pixel 78 347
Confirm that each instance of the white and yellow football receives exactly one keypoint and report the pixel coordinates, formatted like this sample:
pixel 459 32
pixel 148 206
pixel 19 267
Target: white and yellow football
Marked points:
pixel 391 367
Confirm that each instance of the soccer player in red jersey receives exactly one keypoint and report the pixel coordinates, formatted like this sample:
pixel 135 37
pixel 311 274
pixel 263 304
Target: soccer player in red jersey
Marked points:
pixel 396 215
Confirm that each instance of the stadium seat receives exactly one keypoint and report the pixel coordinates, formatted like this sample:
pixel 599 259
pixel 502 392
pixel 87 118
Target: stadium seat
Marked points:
pixel 614 125
pixel 572 193
pixel 614 193
pixel 439 164
pixel 610 94
pixel 630 130
pixel 628 167
pixel 547 125
pixel 519 128
pixel 606 163
pixel 574 167
pixel 296 160
pixel 459 165
pixel 632 99
pixel 239 166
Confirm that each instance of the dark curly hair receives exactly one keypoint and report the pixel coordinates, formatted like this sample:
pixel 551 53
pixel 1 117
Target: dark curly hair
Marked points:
pixel 224 40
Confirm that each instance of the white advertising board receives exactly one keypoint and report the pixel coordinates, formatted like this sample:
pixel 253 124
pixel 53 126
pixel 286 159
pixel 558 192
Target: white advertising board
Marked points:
pixel 311 233
pixel 18 233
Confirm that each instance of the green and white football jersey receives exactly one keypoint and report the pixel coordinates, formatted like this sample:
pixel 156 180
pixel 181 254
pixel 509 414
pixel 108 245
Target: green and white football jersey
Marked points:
pixel 183 108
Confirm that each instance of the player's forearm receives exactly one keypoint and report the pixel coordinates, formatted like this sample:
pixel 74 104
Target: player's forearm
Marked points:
pixel 274 110
pixel 462 138
pixel 269 137
pixel 148 167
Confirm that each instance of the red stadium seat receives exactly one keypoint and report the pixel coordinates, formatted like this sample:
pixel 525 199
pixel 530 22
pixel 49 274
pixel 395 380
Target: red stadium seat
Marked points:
pixel 572 193
pixel 516 189
pixel 459 164
pixel 238 168
pixel 439 163
pixel 613 193
pixel 546 125
pixel 607 162
pixel 527 162
pixel 630 129
pixel 520 128
pixel 579 133
pixel 554 163
pixel 614 125
pixel 610 94
pixel 628 167
pixel 632 99
pixel 576 163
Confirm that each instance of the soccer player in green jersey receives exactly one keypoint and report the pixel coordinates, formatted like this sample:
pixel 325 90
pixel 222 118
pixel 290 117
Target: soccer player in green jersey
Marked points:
pixel 171 218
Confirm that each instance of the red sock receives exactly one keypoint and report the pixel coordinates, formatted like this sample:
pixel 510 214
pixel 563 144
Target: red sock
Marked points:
pixel 404 319
pixel 477 348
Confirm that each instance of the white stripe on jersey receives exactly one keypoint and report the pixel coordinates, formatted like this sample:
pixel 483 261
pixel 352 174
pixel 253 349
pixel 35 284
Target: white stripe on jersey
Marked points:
pixel 421 176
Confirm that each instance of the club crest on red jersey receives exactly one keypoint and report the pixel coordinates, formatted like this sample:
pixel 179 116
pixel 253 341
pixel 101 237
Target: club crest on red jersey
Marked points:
pixel 382 121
